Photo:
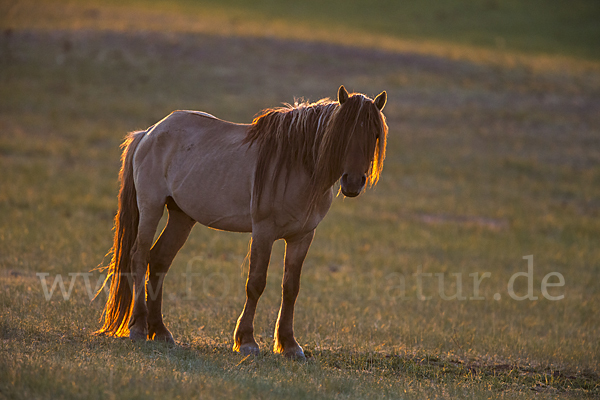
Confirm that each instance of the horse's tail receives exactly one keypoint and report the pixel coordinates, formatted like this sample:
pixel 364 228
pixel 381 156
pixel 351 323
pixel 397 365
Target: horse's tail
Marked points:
pixel 120 299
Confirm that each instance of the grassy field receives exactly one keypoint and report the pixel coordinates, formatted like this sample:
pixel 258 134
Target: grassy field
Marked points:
pixel 493 156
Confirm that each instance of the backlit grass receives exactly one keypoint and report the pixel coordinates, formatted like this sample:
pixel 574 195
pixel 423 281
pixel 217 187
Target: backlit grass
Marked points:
pixel 532 35
pixel 487 163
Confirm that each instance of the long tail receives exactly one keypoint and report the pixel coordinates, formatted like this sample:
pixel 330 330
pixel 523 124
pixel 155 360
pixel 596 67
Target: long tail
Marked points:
pixel 120 299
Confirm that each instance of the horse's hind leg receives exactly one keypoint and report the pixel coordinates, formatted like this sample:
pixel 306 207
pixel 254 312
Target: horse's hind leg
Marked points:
pixel 162 254
pixel 149 218
pixel 295 252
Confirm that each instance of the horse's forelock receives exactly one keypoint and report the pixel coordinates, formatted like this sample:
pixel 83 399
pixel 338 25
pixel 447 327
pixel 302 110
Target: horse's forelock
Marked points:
pixel 359 115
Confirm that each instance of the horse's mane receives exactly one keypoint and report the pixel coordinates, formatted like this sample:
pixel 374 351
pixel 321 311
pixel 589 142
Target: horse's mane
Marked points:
pixel 315 136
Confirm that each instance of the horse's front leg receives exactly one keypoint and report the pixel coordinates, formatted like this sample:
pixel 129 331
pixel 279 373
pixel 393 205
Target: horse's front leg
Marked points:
pixel 295 252
pixel 260 253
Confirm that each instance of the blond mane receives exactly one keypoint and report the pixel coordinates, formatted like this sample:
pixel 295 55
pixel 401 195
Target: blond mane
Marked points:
pixel 315 136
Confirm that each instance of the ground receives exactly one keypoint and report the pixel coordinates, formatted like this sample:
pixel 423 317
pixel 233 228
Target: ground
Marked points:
pixel 493 169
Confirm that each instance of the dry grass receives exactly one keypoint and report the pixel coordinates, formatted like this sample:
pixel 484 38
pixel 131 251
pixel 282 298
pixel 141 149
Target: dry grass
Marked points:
pixel 487 163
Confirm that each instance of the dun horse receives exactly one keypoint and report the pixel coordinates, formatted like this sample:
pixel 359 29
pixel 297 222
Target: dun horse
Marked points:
pixel 273 178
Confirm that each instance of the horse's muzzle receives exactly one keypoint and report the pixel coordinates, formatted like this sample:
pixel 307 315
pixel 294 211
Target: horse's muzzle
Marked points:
pixel 352 185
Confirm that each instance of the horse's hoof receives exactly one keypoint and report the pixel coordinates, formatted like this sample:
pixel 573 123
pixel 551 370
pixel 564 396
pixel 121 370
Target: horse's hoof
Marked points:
pixel 296 354
pixel 249 349
pixel 137 336
pixel 160 333
pixel 165 337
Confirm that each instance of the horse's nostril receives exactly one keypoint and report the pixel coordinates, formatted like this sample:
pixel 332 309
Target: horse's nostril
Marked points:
pixel 345 179
pixel 354 180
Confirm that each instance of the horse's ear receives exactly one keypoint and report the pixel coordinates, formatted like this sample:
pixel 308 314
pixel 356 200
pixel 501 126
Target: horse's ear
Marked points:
pixel 342 95
pixel 380 100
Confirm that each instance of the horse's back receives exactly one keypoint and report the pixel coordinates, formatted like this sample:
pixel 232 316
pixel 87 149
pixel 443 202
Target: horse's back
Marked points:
pixel 201 162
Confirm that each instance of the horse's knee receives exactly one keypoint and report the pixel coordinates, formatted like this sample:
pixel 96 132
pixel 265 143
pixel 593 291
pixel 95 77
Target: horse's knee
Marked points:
pixel 291 287
pixel 256 286
pixel 290 291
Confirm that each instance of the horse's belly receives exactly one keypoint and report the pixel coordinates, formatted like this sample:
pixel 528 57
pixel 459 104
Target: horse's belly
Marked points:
pixel 231 223
pixel 217 203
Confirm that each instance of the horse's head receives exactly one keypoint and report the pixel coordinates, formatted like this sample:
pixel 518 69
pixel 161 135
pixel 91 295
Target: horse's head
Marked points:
pixel 365 150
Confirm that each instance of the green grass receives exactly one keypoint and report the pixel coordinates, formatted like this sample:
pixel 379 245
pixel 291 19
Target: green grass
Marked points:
pixel 487 163
pixel 537 26
pixel 533 26
pixel 537 35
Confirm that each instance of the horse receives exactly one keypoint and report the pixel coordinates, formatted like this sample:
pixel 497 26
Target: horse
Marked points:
pixel 274 178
